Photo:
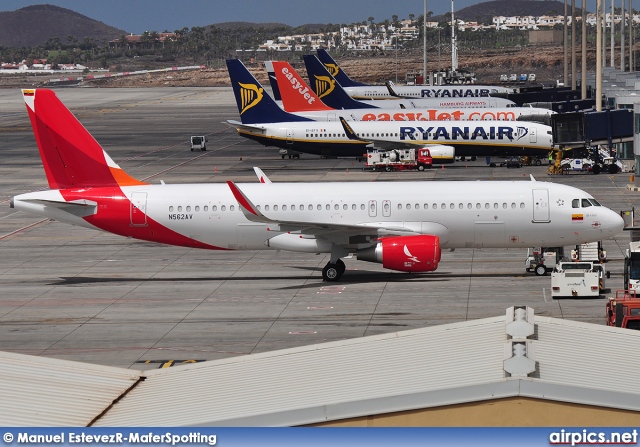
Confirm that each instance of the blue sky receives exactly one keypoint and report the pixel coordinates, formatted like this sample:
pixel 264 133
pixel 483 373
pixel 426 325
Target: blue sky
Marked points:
pixel 137 16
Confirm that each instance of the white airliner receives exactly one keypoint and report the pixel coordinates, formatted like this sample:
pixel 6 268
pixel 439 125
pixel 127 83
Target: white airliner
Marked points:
pixel 264 121
pixel 299 98
pixel 333 94
pixel 418 91
pixel 403 225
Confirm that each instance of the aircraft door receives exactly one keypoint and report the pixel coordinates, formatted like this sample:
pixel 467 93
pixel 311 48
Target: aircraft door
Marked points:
pixel 373 208
pixel 289 133
pixel 533 137
pixel 541 205
pixel 139 209
pixel 386 208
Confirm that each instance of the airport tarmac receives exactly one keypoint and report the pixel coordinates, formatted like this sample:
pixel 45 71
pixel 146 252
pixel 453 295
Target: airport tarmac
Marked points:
pixel 77 294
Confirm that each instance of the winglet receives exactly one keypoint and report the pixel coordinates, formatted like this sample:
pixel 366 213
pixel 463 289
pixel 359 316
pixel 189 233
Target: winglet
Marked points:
pixel 262 177
pixel 250 211
pixel 532 179
pixel 392 92
pixel 349 131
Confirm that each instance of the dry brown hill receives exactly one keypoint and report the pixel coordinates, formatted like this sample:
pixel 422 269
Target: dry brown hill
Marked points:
pixel 34 25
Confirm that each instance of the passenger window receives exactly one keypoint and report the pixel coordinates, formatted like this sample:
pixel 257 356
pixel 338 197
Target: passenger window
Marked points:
pixel 575 203
pixel 310 207
pixel 443 206
pixel 266 208
pixel 231 208
pixel 189 208
pixel 275 207
pixel 408 206
pixel 223 208
pixel 171 209
pixel 435 206
pixel 469 205
pixel 214 208
pixel 293 207
pixel 486 205
pixel 257 206
pixel 319 207
pixel 478 206
pixel 522 205
pixel 284 207
pixel 461 206
pixel 417 206
pixel 513 205
pixel 362 206
pixel 336 207
pixel 399 206
pixel 495 206
pixel 206 208
pixel 328 207
pixel 197 208
pixel 452 206
pixel 426 206
pixel 504 206
pixel 345 207
pixel 353 206
pixel 179 209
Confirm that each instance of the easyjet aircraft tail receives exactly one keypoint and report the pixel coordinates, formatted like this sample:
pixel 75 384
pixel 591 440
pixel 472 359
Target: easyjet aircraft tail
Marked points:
pixel 254 104
pixel 335 70
pixel 71 157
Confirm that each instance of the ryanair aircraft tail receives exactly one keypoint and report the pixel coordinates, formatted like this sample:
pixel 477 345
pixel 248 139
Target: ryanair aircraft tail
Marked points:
pixel 254 104
pixel 335 70
pixel 327 88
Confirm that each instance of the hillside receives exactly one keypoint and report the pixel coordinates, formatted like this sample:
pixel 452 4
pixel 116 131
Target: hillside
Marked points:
pixel 485 11
pixel 34 25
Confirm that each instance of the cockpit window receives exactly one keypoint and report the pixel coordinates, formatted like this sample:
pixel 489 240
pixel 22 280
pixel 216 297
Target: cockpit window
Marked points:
pixel 586 203
pixel 575 203
pixel 594 202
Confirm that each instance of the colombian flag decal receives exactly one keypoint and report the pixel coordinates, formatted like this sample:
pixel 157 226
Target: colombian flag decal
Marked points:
pixel 575 217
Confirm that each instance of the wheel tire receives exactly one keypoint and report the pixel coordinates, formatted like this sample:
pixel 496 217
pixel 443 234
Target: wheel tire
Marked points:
pixel 341 266
pixel 538 162
pixel 283 157
pixel 596 169
pixel 420 167
pixel 540 270
pixel 387 168
pixel 331 272
pixel 613 169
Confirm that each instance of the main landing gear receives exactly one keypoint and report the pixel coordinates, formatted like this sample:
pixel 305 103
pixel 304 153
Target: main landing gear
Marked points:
pixel 333 271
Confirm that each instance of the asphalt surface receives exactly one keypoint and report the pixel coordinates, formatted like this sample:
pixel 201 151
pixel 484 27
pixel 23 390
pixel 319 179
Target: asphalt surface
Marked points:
pixel 77 294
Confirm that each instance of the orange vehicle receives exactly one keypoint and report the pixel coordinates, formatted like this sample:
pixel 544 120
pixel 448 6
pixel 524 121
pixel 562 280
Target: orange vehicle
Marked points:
pixel 624 310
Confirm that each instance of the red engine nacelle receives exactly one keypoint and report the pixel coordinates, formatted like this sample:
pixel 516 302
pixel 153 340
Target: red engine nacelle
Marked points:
pixel 405 253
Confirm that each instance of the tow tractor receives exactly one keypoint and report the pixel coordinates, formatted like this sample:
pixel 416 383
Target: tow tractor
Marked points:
pixel 578 279
pixel 624 310
pixel 398 160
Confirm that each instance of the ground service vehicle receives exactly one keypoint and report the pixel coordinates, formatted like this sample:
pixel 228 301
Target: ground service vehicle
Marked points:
pixel 632 267
pixel 198 143
pixel 289 153
pixel 541 260
pixel 624 310
pixel 398 160
pixel 577 279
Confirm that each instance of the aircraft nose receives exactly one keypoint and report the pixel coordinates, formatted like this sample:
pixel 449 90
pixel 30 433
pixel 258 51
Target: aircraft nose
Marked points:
pixel 613 223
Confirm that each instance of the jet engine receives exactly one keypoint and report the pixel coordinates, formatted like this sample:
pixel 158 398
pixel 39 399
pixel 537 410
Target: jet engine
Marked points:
pixel 419 253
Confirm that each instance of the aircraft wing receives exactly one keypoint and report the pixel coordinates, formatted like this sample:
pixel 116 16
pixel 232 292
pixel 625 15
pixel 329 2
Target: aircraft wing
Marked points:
pixel 338 233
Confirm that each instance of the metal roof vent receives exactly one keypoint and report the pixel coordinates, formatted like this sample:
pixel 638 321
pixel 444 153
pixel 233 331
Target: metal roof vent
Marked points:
pixel 518 352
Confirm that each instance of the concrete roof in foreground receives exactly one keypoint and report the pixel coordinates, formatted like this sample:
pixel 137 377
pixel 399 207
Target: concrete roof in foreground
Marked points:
pixel 520 354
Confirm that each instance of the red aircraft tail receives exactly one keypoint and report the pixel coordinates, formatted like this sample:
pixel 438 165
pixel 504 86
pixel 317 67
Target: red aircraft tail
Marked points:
pixel 71 157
